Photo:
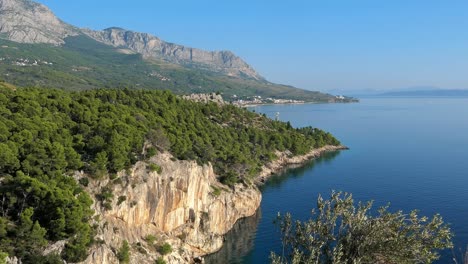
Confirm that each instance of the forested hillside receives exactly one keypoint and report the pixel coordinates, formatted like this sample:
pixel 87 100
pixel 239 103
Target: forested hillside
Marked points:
pixel 83 63
pixel 46 134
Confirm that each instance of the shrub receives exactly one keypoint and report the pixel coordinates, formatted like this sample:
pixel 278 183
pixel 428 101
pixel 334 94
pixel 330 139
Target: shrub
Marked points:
pixel 84 181
pixel 160 260
pixel 124 253
pixel 150 239
pixel 121 199
pixel 150 152
pixel 155 168
pixel 3 257
pixel 216 191
pixel 107 206
pixel 230 178
pixel 118 181
pixel 165 249
pixel 106 194
pixel 339 232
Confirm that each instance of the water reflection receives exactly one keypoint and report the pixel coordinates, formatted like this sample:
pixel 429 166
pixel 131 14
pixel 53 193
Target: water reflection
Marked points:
pixel 298 171
pixel 238 242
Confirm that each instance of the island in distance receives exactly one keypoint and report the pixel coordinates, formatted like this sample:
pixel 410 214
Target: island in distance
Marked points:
pixel 434 92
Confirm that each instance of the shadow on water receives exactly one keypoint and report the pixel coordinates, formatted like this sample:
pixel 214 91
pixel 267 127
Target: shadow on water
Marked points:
pixel 238 242
pixel 298 171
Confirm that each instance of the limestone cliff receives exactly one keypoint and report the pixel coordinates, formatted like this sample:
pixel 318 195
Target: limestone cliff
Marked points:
pixel 30 22
pixel 183 205
pixel 152 47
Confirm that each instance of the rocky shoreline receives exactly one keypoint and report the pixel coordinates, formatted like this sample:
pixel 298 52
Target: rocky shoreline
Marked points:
pixel 285 159
pixel 179 205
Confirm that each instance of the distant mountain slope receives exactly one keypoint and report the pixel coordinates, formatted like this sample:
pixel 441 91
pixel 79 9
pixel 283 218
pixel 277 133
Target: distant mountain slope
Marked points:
pixel 38 49
pixel 26 21
pixel 152 47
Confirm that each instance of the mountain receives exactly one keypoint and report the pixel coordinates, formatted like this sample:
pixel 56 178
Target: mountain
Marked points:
pixel 30 22
pixel 26 21
pixel 39 49
pixel 152 47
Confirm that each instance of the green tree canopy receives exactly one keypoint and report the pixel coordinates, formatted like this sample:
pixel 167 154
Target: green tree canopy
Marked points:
pixel 47 134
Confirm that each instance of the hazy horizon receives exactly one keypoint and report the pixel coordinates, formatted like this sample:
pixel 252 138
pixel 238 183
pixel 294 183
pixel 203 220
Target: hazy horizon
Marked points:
pixel 324 45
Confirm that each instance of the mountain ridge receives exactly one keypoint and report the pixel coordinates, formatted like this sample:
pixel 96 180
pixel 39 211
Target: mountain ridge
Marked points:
pixel 151 46
pixel 38 49
pixel 26 21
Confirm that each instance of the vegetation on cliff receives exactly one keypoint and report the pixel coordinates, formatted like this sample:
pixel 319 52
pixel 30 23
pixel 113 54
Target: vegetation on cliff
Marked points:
pixel 47 134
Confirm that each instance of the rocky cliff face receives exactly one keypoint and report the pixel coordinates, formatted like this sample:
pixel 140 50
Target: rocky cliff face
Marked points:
pixel 30 22
pixel 184 205
pixel 152 47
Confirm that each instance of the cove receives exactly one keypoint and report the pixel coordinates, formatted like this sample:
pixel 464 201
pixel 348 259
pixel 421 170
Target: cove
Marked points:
pixel 409 152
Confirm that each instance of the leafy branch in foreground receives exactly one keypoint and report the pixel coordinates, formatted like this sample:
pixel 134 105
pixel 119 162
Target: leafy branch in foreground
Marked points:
pixel 340 232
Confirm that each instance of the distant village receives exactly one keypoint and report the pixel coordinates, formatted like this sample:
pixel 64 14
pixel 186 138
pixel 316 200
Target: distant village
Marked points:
pixel 159 76
pixel 27 62
pixel 22 62
pixel 256 100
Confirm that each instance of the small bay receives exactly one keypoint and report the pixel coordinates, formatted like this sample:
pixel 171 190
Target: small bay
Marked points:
pixel 409 152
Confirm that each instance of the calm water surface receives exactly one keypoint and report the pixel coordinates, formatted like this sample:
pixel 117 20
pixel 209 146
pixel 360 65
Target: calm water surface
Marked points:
pixel 409 152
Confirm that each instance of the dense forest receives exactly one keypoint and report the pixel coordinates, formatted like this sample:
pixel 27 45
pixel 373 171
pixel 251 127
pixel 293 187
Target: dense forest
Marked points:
pixel 46 134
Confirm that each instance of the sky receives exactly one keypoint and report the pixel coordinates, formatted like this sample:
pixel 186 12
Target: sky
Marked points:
pixel 327 45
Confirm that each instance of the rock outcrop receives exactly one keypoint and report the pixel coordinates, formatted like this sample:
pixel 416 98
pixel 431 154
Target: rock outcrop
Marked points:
pixel 285 159
pixel 30 22
pixel 205 98
pixel 184 206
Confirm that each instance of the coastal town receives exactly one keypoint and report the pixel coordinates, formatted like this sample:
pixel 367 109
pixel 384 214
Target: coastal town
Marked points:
pixel 257 100
pixel 249 101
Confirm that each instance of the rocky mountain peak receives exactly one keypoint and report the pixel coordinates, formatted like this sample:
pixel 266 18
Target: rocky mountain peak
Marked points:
pixel 26 21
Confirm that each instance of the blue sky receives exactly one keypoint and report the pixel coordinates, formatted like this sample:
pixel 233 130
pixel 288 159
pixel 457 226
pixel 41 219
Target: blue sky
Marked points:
pixel 317 45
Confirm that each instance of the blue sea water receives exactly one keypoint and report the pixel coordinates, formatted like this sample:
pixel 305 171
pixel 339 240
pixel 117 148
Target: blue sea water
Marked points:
pixel 409 152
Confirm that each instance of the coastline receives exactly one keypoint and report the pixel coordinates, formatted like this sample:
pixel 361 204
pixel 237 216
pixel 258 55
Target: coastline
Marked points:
pixel 284 159
pixel 166 215
pixel 298 103
pixel 254 105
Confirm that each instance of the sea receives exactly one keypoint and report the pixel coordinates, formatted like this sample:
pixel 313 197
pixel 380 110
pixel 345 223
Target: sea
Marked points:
pixel 410 153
